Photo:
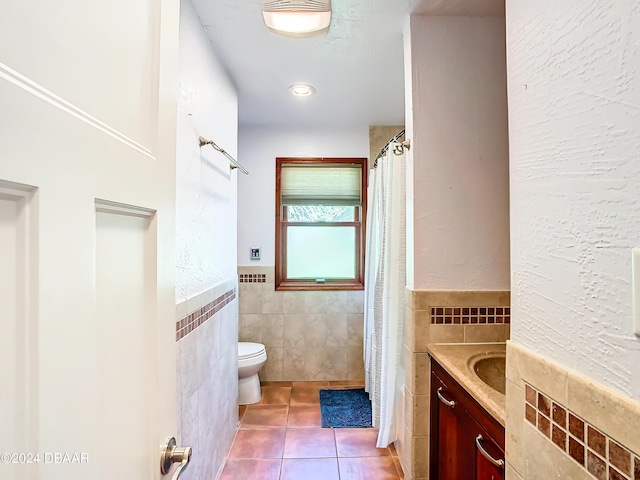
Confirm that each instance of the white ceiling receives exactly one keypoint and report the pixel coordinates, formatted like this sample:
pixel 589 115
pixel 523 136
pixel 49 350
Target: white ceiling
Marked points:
pixel 356 67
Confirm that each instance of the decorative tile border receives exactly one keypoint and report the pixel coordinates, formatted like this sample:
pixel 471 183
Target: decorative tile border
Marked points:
pixel 470 315
pixel 252 278
pixel 196 318
pixel 595 451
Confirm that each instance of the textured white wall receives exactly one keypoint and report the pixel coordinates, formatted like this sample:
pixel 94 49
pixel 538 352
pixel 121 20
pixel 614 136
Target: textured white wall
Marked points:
pixel 206 226
pixel 458 163
pixel 258 149
pixel 574 120
pixel 409 134
pixel 206 191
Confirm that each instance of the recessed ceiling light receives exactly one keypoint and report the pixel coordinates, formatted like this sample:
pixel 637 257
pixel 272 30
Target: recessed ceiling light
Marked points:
pixel 297 16
pixel 301 90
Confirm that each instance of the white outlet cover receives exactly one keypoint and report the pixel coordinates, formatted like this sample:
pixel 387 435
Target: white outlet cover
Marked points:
pixel 635 289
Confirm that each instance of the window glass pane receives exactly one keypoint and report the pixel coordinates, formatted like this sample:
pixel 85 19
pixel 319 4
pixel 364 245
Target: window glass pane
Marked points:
pixel 321 252
pixel 320 213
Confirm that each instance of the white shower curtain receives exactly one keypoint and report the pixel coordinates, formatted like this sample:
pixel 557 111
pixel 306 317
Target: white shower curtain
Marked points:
pixel 385 279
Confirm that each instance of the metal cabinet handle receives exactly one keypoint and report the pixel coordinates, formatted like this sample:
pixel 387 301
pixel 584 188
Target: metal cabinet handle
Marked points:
pixel 487 455
pixel 171 454
pixel 448 403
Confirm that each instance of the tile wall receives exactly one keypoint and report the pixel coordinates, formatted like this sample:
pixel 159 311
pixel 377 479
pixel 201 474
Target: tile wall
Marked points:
pixel 379 136
pixel 563 425
pixel 309 335
pixel 470 316
pixel 207 377
pixel 439 317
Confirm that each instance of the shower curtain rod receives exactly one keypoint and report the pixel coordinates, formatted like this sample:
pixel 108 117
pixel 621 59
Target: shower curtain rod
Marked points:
pixel 398 149
pixel 234 162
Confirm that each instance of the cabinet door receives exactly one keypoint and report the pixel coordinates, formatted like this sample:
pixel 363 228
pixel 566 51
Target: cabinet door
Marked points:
pixel 489 456
pixel 454 448
pixel 485 470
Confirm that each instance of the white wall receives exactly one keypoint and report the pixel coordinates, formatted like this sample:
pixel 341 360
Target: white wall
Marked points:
pixel 258 149
pixel 206 191
pixel 206 225
pixel 409 133
pixel 574 120
pixel 458 172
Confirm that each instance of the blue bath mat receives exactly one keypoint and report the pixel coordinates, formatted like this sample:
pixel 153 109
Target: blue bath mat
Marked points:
pixel 345 408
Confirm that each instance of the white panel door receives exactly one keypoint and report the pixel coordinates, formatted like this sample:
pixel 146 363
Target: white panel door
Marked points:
pixel 87 232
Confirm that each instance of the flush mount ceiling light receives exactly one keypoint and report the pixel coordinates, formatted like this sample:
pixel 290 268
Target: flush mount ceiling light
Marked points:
pixel 297 17
pixel 301 90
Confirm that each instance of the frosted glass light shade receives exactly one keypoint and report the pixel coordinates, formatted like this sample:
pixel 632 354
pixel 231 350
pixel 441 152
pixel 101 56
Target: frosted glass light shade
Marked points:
pixel 297 22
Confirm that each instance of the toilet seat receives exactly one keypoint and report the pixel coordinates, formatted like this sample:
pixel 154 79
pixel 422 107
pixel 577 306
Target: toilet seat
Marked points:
pixel 248 350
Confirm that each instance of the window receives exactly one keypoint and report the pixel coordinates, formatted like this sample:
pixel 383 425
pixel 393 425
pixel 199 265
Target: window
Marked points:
pixel 320 216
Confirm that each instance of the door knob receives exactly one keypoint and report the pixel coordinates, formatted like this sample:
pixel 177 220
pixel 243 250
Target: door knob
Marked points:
pixel 171 454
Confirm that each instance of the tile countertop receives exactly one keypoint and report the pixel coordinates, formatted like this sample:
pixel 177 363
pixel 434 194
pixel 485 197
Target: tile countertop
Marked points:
pixel 457 358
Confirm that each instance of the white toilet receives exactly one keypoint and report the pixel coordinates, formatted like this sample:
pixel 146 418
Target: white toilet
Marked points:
pixel 251 358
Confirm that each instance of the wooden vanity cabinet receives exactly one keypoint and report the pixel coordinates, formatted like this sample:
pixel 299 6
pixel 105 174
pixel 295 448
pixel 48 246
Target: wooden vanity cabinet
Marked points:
pixel 466 442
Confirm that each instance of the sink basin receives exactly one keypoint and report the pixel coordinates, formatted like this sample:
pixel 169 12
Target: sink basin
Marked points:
pixel 491 370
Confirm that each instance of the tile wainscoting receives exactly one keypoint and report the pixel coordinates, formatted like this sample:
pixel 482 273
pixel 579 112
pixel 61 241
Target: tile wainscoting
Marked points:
pixel 424 310
pixel 200 315
pixel 598 453
pixel 252 278
pixel 207 377
pixel 563 425
pixel 309 335
pixel 470 316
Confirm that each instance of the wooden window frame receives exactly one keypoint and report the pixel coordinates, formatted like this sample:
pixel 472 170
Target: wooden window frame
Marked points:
pixel 283 283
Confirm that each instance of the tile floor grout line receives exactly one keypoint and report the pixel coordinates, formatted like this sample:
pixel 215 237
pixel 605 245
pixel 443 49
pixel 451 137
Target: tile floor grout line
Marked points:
pixel 282 471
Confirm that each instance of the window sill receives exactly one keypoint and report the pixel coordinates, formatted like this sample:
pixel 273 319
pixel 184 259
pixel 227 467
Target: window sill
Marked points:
pixel 318 286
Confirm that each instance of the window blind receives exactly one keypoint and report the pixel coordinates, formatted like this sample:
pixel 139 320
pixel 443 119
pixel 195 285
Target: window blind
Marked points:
pixel 321 185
